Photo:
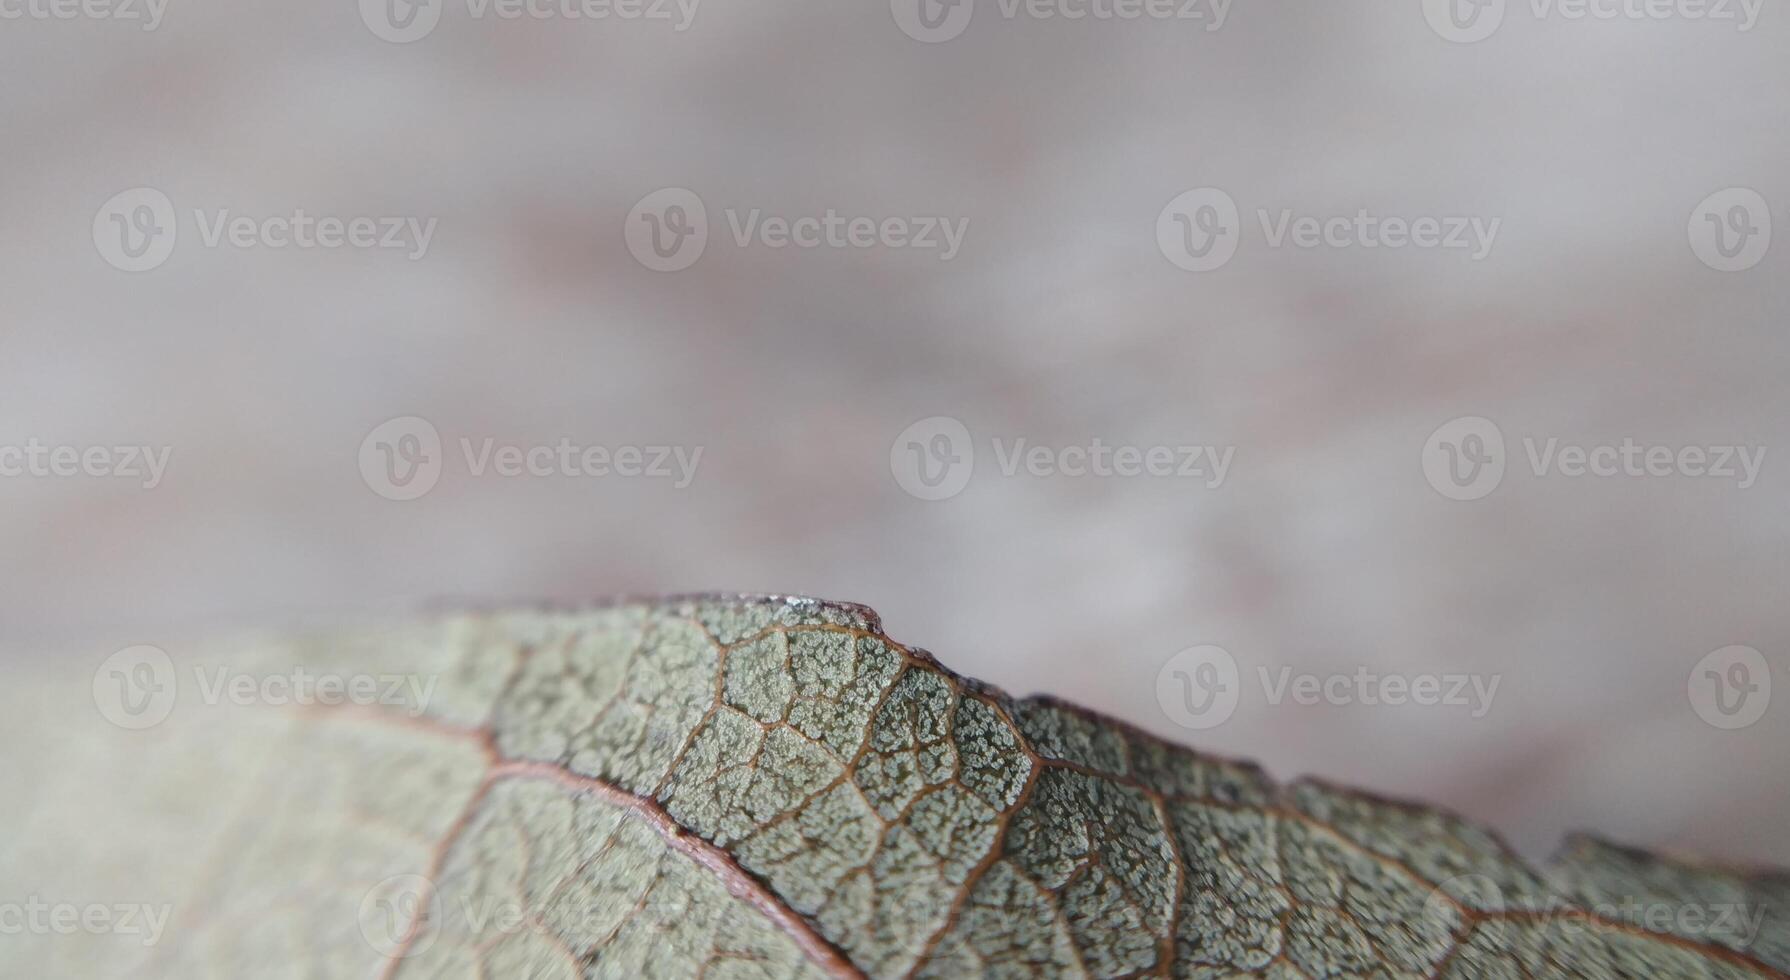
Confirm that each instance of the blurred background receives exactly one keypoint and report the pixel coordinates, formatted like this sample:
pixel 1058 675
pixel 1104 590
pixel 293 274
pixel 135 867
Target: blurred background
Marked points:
pixel 1622 174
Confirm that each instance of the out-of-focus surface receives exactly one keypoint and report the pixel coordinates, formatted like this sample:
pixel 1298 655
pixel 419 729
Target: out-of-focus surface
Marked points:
pixel 1592 317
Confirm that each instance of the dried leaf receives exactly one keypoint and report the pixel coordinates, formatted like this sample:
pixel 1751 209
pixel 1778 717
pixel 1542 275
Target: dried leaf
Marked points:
pixel 734 787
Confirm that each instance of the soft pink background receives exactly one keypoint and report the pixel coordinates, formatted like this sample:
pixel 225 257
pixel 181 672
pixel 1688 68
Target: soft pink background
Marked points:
pixel 1060 321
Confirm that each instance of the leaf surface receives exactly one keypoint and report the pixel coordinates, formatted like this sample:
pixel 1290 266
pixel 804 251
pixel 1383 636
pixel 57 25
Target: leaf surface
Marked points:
pixel 768 787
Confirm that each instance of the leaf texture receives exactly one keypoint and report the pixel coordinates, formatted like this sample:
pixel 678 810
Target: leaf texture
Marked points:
pixel 770 787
